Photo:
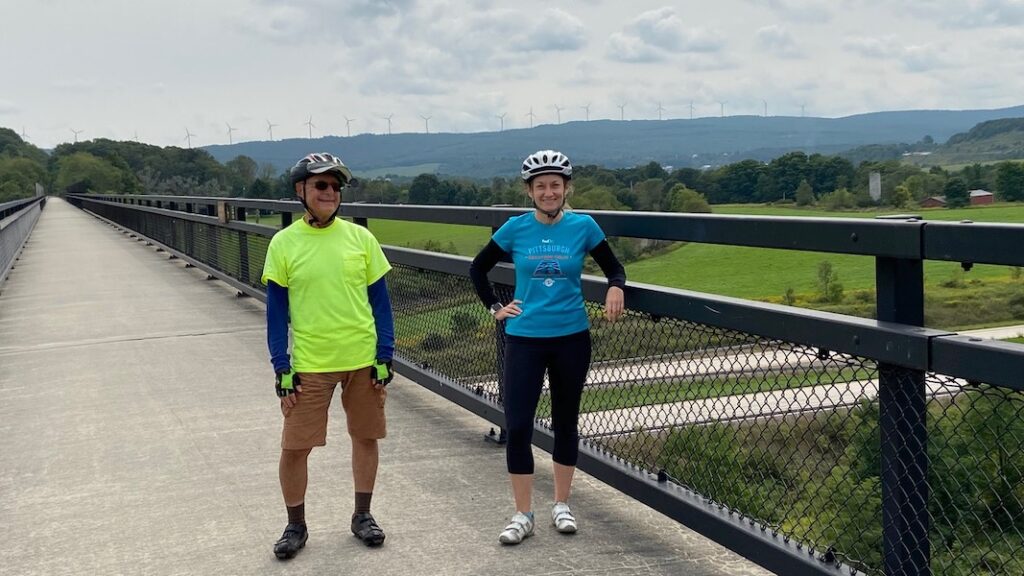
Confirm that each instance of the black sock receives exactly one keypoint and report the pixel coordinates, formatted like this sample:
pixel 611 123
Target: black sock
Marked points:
pixel 297 514
pixel 363 502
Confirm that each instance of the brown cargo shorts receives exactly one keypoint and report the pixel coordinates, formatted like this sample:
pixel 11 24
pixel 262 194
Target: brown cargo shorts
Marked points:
pixel 305 424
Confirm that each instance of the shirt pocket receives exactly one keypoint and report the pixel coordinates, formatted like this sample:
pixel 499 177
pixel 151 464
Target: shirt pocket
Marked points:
pixel 353 270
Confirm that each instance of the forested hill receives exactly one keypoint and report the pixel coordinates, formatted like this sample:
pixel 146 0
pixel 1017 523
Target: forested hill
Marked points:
pixel 678 143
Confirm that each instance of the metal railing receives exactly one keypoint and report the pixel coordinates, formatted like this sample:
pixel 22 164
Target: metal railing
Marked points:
pixel 17 219
pixel 809 442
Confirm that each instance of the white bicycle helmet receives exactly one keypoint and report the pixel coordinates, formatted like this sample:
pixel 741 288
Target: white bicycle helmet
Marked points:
pixel 320 163
pixel 546 162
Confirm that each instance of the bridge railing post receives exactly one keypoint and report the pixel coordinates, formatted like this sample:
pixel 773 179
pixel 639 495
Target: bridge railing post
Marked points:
pixel 902 424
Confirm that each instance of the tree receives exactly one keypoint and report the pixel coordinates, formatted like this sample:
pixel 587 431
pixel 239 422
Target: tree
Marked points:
pixel 649 194
pixel 804 194
pixel 260 189
pixel 682 199
pixel 94 174
pixel 424 189
pixel 1010 181
pixel 901 196
pixel 596 198
pixel 18 177
pixel 956 193
pixel 241 173
pixel 829 288
pixel 838 200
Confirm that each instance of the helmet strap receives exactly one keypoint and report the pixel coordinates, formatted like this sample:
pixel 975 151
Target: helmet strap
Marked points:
pixel 552 214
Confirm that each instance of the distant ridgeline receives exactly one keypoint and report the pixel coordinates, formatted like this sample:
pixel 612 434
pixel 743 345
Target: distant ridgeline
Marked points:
pixel 615 144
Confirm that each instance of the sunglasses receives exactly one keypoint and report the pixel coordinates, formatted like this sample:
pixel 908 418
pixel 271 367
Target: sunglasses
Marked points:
pixel 321 185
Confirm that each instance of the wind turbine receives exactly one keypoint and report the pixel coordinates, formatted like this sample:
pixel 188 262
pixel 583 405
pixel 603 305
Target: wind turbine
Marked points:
pixel 388 118
pixel 136 135
pixel 270 130
pixel 660 110
pixel 77 132
pixel 558 112
pixel 765 102
pixel 348 125
pixel 531 115
pixel 310 125
pixel 722 103
pixel 622 111
pixel 230 131
pixel 426 123
pixel 502 118
pixel 587 110
pixel 691 109
pixel 188 137
pixel 802 107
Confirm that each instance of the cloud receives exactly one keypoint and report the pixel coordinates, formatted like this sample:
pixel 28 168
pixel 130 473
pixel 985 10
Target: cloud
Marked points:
pixel 925 58
pixel 959 14
pixel 8 107
pixel 656 34
pixel 797 10
pixel 988 13
pixel 1011 40
pixel 913 58
pixel 555 30
pixel 871 47
pixel 778 40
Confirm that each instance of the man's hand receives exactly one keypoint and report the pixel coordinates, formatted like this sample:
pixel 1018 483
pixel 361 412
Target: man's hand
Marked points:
pixel 288 386
pixel 381 372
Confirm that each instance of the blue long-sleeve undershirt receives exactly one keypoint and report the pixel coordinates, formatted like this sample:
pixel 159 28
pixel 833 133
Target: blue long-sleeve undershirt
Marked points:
pixel 277 326
pixel 277 323
pixel 380 303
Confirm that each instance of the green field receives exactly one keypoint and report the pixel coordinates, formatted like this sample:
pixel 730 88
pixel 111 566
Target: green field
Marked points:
pixel 1011 212
pixel 467 240
pixel 1016 340
pixel 762 273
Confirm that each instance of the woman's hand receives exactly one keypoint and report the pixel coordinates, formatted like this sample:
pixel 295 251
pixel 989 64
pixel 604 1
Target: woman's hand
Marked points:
pixel 614 302
pixel 510 309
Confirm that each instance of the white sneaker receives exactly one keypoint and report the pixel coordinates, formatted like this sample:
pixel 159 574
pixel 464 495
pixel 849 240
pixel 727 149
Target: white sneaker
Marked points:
pixel 562 518
pixel 517 530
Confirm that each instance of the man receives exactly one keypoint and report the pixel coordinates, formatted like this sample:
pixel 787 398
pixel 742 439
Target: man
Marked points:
pixel 325 277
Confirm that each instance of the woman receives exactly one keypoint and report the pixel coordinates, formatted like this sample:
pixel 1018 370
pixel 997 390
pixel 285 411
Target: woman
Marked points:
pixel 547 328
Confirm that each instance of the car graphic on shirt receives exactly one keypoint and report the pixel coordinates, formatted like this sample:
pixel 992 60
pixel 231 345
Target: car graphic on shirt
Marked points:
pixel 547 269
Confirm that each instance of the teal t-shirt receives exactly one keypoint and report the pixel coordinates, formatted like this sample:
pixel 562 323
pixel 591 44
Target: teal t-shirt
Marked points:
pixel 548 260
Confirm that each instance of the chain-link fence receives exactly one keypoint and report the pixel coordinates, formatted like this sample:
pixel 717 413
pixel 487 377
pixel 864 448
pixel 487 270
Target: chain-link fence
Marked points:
pixel 799 440
pixel 782 434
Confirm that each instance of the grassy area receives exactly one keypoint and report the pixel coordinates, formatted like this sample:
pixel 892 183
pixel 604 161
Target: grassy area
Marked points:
pixel 597 399
pixel 464 240
pixel 1012 212
pixel 760 273
pixel 1016 340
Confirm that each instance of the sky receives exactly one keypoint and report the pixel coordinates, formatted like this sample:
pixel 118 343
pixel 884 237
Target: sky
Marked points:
pixel 153 70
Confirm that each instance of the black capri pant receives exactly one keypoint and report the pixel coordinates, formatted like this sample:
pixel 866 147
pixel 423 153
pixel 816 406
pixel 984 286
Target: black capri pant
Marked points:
pixel 566 360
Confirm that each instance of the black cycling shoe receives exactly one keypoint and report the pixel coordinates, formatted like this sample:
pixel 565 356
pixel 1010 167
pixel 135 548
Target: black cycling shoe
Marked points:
pixel 366 529
pixel 293 539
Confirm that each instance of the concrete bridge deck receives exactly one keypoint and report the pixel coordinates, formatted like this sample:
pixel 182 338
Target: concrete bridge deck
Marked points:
pixel 139 435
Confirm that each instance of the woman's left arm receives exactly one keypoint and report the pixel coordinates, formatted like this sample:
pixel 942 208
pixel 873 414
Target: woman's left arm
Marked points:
pixel 614 301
